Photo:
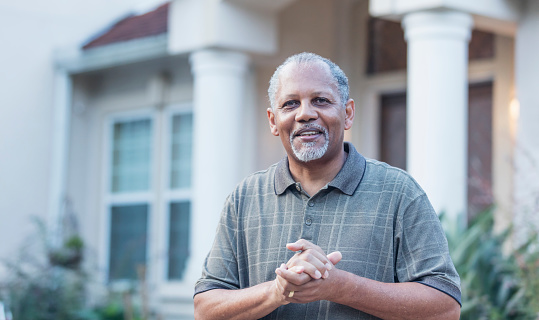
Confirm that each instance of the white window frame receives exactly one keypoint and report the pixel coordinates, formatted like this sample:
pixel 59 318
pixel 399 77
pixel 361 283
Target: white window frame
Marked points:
pixel 158 196
pixel 109 199
pixel 168 195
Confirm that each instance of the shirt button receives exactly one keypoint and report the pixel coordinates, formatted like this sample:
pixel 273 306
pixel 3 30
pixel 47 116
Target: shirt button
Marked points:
pixel 308 222
pixel 298 187
pixel 311 204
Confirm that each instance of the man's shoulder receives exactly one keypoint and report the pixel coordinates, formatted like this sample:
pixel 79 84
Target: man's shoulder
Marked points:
pixel 256 180
pixel 378 172
pixel 376 167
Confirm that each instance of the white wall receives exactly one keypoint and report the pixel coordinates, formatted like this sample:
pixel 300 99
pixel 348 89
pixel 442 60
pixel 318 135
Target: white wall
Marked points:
pixel 527 143
pixel 30 31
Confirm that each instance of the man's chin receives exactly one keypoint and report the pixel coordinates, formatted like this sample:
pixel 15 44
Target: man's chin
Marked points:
pixel 307 154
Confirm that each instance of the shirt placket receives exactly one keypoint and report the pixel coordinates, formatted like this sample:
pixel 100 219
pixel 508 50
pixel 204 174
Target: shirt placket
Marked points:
pixel 309 217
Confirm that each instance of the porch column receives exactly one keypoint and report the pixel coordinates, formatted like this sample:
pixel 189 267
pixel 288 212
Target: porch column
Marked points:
pixel 437 105
pixel 219 100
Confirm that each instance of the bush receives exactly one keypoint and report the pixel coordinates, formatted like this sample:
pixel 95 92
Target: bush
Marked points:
pixel 46 283
pixel 494 285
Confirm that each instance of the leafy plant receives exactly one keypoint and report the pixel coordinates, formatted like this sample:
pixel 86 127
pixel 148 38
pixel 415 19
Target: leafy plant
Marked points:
pixel 41 289
pixel 494 285
pixel 48 282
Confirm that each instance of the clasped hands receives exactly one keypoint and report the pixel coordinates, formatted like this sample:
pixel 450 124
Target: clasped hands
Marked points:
pixel 306 277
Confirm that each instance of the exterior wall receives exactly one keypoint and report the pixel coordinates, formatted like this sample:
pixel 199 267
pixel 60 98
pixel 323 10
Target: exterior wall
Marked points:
pixel 31 31
pixel 527 110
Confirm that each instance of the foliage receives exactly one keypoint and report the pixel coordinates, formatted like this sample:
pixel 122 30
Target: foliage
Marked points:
pixel 46 286
pixel 494 285
pixel 116 306
pixel 48 283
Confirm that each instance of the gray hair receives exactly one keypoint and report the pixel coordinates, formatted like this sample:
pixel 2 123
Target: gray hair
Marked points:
pixel 340 78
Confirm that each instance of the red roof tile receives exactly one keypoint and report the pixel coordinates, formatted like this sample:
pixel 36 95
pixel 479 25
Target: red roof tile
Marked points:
pixel 149 24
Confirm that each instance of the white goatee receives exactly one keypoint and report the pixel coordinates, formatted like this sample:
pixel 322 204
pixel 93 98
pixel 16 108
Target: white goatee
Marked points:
pixel 309 151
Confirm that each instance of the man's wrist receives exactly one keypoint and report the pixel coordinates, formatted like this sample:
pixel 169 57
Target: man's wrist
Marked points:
pixel 274 294
pixel 337 285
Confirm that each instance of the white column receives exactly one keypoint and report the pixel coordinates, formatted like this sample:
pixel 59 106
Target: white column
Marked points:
pixel 60 148
pixel 219 101
pixel 437 105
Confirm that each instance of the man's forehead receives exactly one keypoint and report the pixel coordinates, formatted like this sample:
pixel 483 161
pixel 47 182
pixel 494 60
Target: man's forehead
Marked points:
pixel 313 66
pixel 317 71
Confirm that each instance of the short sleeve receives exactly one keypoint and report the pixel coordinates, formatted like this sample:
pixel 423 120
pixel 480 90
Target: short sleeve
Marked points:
pixel 422 250
pixel 220 269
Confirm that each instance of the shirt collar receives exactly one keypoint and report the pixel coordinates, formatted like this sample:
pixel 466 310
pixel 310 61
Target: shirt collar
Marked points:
pixel 346 180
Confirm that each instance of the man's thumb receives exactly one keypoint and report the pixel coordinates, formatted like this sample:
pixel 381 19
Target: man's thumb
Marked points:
pixel 335 257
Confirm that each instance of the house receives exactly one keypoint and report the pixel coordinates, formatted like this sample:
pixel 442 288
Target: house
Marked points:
pixel 157 117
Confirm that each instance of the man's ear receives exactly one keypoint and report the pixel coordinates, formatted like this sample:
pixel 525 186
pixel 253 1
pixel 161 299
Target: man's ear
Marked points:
pixel 271 119
pixel 350 110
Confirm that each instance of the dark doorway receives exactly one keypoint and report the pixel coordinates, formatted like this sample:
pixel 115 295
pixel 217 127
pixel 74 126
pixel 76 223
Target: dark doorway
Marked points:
pixel 393 129
pixel 479 148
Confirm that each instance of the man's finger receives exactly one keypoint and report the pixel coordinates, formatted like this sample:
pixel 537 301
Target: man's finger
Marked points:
pixel 302 245
pixel 335 257
pixel 293 277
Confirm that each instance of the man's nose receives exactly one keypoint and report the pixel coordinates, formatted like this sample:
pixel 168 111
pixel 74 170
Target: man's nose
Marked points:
pixel 306 112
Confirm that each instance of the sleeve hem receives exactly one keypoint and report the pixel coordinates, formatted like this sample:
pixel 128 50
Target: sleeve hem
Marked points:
pixel 201 287
pixel 447 288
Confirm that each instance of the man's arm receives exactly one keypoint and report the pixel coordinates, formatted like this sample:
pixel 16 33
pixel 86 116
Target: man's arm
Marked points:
pixel 250 303
pixel 410 300
pixel 260 300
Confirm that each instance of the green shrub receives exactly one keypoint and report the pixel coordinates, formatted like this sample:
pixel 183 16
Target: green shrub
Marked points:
pixel 494 285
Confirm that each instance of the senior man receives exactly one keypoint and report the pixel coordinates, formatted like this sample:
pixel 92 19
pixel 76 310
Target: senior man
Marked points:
pixel 325 233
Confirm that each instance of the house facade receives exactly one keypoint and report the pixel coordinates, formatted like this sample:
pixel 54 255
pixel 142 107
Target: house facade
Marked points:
pixel 156 118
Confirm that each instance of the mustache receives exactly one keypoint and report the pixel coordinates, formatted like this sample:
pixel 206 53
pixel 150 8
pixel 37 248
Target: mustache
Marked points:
pixel 310 126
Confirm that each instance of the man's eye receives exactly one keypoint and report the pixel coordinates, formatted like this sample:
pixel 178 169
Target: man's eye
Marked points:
pixel 320 101
pixel 290 104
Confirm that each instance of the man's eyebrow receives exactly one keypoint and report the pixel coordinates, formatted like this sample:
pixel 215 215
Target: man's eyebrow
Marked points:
pixel 291 96
pixel 322 93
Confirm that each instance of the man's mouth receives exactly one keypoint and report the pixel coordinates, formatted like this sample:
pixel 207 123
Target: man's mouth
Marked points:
pixel 308 133
pixel 309 130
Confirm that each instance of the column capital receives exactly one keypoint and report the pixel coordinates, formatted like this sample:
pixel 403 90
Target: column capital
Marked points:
pixel 197 24
pixel 498 16
pixel 437 24
pixel 218 61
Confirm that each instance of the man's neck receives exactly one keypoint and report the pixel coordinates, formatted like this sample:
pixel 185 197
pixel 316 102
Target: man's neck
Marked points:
pixel 315 174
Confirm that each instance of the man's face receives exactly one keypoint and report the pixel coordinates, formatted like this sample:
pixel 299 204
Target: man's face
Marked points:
pixel 309 116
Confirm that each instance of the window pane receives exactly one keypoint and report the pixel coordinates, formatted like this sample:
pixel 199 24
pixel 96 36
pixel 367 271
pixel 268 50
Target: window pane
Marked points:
pixel 181 148
pixel 128 232
pixel 179 239
pixel 131 147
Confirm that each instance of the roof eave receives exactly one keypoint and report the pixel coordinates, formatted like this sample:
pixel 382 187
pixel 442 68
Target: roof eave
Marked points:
pixel 113 55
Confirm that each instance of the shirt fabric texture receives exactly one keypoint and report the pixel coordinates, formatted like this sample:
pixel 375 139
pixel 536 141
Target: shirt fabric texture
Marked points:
pixel 376 215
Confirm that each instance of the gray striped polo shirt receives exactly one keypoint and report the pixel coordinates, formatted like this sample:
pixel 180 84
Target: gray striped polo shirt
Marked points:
pixel 376 215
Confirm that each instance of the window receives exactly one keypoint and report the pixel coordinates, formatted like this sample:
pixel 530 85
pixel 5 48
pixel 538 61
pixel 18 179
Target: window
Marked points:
pixel 131 156
pixel 148 194
pixel 129 225
pixel 178 202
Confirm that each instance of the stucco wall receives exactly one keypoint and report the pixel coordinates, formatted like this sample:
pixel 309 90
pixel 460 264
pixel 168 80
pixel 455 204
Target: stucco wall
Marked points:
pixel 31 32
pixel 527 142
